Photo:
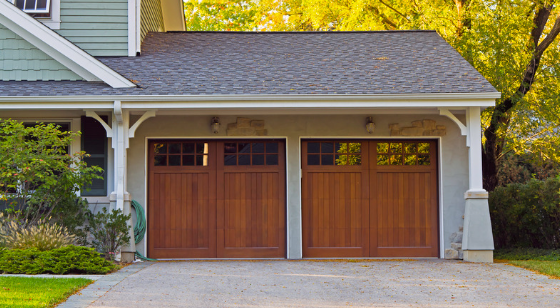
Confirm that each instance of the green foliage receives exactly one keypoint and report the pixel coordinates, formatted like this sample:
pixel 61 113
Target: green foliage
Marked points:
pixel 522 168
pixel 234 15
pixel 70 259
pixel 28 292
pixel 73 213
pixel 36 172
pixel 527 254
pixel 526 215
pixel 43 236
pixel 110 231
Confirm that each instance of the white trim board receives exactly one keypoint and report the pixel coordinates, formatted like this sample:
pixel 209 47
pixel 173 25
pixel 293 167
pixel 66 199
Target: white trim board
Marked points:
pixel 58 47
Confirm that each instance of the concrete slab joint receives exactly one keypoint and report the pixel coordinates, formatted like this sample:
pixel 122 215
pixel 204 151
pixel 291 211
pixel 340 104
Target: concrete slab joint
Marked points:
pixel 478 242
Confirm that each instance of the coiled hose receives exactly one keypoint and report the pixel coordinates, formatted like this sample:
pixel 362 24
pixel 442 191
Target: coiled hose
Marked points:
pixel 140 228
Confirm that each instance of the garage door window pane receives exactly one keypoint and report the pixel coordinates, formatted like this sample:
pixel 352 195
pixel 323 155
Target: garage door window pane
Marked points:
pixel 327 160
pixel 313 147
pixel 424 160
pixel 326 147
pixel 410 148
pixel 382 160
pixel 354 148
pixel 188 148
pixel 230 148
pixel 396 159
pixel 160 160
pixel 272 147
pixel 424 148
pixel 174 160
pixel 410 160
pixel 272 160
pixel 188 160
pixel 258 160
pixel 174 148
pixel 382 147
pixel 340 160
pixel 354 160
pixel 244 148
pixel 244 160
pixel 258 147
pixel 230 160
pixel 202 148
pixel 160 148
pixel 313 160
pixel 396 147
pixel 202 160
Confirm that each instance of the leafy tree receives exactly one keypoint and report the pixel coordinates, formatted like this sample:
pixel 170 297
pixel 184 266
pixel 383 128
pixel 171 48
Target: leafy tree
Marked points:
pixel 36 172
pixel 234 15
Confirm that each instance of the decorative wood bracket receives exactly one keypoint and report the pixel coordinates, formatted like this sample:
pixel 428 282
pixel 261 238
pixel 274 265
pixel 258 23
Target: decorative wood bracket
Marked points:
pixel 464 130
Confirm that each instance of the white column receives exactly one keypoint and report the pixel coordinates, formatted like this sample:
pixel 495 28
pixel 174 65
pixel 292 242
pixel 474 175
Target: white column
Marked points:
pixel 475 150
pixel 478 242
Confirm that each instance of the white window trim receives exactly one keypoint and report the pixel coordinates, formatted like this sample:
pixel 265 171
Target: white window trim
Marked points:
pixel 52 22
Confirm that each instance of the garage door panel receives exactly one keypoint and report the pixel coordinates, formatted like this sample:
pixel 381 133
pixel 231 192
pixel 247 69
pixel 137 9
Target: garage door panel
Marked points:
pixel 184 221
pixel 383 204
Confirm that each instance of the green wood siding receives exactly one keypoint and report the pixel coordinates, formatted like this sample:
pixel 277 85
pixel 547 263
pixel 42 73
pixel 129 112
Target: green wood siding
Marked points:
pixel 20 60
pixel 151 18
pixel 97 26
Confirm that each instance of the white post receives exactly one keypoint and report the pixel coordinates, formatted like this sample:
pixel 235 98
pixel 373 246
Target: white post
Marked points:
pixel 478 243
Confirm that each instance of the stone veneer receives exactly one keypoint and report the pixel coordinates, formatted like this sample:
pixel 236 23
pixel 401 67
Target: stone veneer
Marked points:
pixel 246 127
pixel 418 128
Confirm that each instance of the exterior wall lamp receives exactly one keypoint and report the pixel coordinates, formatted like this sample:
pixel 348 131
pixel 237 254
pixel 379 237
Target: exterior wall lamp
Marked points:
pixel 370 126
pixel 215 125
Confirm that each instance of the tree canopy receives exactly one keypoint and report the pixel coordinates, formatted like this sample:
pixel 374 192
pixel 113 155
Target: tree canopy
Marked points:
pixel 513 44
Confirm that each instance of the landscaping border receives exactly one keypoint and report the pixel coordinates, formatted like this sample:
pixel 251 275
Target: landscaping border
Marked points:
pixel 97 289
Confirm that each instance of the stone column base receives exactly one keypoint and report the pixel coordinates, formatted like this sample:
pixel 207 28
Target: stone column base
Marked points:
pixel 486 256
pixel 127 256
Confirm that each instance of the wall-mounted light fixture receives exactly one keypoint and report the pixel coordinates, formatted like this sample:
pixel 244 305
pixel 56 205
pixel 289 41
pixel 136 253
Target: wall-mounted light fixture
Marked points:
pixel 370 126
pixel 215 125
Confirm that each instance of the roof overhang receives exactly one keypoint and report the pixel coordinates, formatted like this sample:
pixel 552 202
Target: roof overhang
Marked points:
pixel 58 47
pixel 262 103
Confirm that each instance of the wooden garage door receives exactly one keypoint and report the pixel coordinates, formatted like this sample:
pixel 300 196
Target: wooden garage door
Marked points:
pixel 216 199
pixel 370 198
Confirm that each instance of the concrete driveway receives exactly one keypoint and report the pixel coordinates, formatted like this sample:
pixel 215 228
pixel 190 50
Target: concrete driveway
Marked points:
pixel 369 283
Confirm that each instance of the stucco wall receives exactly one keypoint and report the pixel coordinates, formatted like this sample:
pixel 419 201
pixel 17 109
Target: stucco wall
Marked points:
pixel 454 156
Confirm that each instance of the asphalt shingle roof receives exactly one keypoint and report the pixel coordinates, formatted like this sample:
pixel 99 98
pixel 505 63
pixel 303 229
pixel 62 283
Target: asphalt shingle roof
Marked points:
pixel 224 63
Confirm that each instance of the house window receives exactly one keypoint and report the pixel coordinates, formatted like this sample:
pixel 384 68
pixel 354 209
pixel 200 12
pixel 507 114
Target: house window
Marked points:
pixel 94 143
pixel 45 11
pixel 34 6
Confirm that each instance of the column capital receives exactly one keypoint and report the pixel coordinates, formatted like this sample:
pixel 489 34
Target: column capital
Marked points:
pixel 476 194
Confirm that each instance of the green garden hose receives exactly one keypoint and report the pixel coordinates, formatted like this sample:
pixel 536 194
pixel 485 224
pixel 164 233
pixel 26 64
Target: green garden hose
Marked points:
pixel 140 228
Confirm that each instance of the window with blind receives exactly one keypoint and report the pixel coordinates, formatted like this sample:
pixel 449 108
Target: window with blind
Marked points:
pixel 94 143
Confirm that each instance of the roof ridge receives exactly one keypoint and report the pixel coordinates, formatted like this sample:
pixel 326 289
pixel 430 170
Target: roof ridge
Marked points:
pixel 302 32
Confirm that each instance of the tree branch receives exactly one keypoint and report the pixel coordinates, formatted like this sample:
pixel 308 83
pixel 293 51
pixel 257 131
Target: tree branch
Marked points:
pixel 395 10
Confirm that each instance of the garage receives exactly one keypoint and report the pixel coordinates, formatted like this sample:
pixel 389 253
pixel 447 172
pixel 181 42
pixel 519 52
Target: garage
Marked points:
pixel 216 199
pixel 370 198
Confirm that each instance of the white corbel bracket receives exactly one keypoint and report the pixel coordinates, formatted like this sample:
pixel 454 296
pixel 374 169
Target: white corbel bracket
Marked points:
pixel 462 127
pixel 118 115
pixel 108 129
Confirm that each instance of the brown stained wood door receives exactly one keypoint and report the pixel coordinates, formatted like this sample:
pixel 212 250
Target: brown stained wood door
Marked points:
pixel 251 199
pixel 404 206
pixel 182 199
pixel 335 207
pixel 383 204
pixel 207 199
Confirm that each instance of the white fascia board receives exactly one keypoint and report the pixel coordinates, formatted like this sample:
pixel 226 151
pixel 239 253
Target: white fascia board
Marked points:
pixel 262 102
pixel 58 47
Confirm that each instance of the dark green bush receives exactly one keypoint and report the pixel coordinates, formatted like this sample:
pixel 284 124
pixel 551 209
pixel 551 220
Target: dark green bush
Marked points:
pixel 70 259
pixel 109 231
pixel 526 215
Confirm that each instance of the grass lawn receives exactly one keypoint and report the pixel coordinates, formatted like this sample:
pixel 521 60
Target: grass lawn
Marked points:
pixel 542 261
pixel 38 292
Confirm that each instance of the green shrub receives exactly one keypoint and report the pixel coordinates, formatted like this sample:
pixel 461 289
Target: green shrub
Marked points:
pixel 73 214
pixel 526 215
pixel 109 231
pixel 70 259
pixel 527 254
